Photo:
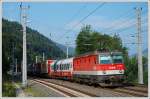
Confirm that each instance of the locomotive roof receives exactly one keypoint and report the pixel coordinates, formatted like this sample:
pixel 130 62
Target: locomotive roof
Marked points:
pixel 97 53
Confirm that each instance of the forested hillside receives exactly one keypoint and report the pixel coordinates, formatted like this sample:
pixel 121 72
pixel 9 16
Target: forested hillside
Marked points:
pixel 36 44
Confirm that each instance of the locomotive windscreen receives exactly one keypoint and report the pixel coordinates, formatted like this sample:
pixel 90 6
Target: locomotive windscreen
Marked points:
pixel 105 59
pixel 117 58
pixel 114 57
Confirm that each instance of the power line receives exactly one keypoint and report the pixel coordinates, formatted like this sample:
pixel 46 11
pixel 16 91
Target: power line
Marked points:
pixel 86 16
pixel 124 29
pixel 127 28
pixel 124 21
pixel 83 19
pixel 118 18
pixel 77 13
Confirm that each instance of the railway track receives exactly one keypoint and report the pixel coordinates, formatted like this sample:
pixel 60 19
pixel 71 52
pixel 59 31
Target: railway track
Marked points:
pixel 137 91
pixel 133 90
pixel 66 91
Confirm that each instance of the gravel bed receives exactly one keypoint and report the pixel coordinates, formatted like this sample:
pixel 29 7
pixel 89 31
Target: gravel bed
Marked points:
pixel 39 90
pixel 145 89
pixel 101 92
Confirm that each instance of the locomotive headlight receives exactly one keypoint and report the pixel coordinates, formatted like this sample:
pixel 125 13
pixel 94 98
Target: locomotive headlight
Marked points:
pixel 104 72
pixel 120 71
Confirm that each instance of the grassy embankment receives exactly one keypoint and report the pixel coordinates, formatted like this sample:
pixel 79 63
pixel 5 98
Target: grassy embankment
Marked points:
pixel 8 89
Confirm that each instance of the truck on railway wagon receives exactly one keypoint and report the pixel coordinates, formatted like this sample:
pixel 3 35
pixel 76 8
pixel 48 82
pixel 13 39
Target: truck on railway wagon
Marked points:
pixel 92 68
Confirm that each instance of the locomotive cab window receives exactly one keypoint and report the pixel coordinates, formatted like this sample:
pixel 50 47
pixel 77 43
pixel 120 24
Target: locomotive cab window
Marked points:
pixel 117 59
pixel 105 59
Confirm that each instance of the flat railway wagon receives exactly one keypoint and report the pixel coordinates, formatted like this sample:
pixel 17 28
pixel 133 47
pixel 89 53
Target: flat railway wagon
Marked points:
pixel 97 67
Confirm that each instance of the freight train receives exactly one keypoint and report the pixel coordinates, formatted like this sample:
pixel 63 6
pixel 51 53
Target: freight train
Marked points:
pixel 92 68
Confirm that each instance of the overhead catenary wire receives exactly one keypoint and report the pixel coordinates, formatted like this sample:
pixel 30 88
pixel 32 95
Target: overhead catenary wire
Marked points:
pixel 118 18
pixel 120 30
pixel 127 14
pixel 71 19
pixel 130 27
pixel 99 6
pixel 124 29
pixel 76 14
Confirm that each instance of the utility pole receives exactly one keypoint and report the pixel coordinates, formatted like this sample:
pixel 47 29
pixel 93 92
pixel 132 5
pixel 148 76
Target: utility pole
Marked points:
pixel 43 56
pixel 67 51
pixel 23 22
pixel 13 57
pixel 67 47
pixel 16 66
pixel 139 46
pixel 36 59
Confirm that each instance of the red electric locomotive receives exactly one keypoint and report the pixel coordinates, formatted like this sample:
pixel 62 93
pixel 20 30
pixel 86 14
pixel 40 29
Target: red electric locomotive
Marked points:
pixel 99 67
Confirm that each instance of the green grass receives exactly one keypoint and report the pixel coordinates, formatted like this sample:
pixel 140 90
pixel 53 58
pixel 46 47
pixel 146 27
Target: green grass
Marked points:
pixel 28 90
pixel 32 92
pixel 8 89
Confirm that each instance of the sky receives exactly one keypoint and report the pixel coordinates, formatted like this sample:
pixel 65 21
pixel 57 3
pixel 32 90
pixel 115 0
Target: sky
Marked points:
pixel 54 20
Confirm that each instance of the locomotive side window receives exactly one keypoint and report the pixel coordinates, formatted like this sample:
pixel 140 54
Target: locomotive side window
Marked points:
pixel 105 59
pixel 65 66
pixel 68 66
pixel 62 67
pixel 57 66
